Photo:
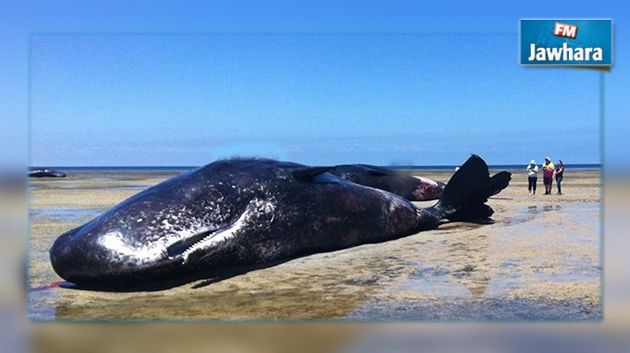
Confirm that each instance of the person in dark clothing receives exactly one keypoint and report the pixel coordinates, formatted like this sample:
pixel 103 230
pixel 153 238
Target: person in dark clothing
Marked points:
pixel 559 176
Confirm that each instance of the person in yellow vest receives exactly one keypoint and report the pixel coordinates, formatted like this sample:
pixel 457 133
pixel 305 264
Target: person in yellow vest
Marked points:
pixel 548 170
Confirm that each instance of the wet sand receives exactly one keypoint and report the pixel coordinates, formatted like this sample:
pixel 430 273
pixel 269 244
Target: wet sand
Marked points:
pixel 540 260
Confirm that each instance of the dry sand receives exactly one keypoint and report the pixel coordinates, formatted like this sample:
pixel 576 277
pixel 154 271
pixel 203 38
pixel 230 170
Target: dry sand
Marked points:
pixel 540 260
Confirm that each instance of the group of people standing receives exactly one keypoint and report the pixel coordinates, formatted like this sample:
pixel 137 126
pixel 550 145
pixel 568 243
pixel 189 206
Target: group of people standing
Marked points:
pixel 549 170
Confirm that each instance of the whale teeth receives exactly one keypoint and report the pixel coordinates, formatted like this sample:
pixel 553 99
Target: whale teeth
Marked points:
pixel 217 236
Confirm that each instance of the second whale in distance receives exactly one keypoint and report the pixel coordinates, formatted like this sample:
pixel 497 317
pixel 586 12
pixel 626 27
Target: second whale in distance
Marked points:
pixel 413 188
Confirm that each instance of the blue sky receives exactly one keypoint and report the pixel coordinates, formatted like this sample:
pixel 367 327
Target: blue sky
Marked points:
pixel 22 20
pixel 317 99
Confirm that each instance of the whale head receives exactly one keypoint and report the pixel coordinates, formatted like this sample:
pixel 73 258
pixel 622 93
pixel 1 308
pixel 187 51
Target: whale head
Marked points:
pixel 179 228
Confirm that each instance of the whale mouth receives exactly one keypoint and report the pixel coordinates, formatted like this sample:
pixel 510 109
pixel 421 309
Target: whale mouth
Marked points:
pixel 181 246
pixel 206 239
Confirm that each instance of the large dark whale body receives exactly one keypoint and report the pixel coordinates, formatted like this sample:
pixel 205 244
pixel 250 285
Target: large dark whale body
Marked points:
pixel 246 212
pixel 45 173
pixel 412 188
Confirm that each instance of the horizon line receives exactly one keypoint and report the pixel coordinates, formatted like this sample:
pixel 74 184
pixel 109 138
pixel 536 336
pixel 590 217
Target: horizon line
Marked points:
pixel 379 165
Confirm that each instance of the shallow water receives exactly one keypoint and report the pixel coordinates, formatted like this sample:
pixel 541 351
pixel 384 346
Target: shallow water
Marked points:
pixel 539 260
pixel 64 214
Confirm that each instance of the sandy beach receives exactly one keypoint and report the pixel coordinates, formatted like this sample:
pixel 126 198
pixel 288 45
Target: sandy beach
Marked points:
pixel 540 260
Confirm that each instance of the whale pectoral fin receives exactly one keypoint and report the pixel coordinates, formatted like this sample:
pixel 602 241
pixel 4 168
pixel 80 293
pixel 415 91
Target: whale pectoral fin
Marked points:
pixel 309 174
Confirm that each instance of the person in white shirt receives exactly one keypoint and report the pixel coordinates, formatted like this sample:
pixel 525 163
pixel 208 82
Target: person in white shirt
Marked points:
pixel 532 177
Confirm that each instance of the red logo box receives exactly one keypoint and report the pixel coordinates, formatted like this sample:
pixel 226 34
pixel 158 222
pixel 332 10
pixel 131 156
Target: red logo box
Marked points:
pixel 565 30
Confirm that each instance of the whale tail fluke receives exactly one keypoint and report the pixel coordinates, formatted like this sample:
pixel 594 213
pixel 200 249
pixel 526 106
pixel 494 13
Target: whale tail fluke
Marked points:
pixel 468 190
pixel 499 182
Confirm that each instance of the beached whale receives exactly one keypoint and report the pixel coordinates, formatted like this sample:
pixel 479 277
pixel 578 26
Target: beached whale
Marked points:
pixel 246 212
pixel 413 188
pixel 45 173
